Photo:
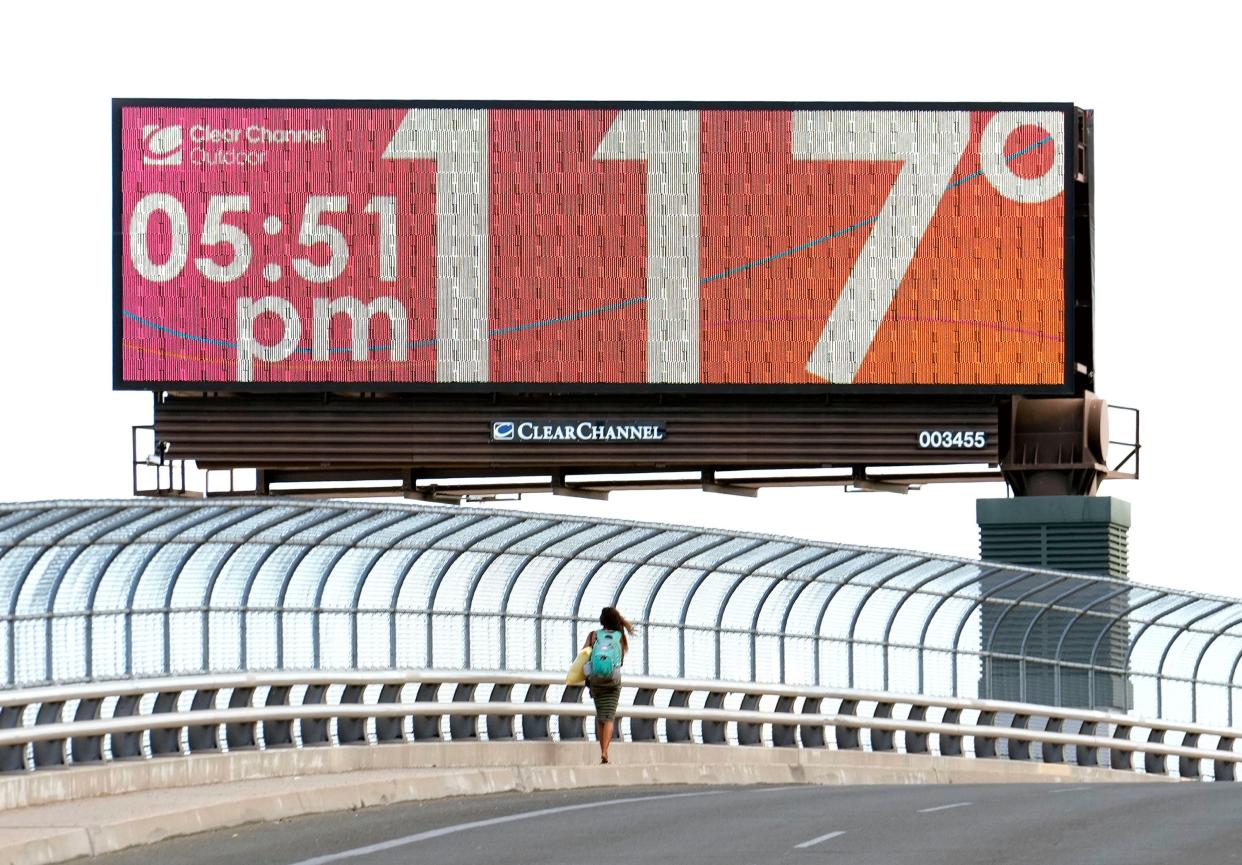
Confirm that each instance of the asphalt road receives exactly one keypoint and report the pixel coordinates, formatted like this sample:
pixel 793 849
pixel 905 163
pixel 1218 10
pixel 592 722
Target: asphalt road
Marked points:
pixel 1125 824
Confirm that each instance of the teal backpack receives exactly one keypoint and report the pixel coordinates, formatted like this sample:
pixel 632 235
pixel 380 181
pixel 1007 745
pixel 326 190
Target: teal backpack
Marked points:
pixel 604 667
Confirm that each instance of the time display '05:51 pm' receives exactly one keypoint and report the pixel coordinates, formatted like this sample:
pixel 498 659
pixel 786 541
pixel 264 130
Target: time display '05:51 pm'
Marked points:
pixel 313 232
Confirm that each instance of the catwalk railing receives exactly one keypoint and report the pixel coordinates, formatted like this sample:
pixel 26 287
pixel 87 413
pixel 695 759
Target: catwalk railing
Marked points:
pixel 94 591
pixel 154 718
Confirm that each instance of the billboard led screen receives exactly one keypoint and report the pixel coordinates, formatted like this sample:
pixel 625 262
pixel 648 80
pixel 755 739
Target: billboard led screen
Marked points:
pixel 468 246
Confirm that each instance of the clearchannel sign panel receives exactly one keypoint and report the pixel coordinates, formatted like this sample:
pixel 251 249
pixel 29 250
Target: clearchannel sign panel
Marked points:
pixel 467 247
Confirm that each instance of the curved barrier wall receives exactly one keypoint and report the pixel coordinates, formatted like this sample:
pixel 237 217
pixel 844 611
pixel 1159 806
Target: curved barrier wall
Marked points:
pixel 115 589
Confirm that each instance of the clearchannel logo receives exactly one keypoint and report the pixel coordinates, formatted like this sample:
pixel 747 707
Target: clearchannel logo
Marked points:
pixel 161 145
pixel 577 431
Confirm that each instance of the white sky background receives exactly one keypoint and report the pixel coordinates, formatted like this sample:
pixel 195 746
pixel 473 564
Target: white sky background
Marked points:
pixel 1168 192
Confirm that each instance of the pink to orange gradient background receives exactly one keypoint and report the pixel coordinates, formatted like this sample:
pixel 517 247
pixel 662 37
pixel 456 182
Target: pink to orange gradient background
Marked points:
pixel 983 302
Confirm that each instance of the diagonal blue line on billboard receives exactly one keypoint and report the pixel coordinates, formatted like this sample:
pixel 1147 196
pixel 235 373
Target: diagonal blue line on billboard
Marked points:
pixel 857 225
pixel 421 343
pixel 224 343
pixel 573 316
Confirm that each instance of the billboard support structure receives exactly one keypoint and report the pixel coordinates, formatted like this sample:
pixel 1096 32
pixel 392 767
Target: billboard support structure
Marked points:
pixel 397 295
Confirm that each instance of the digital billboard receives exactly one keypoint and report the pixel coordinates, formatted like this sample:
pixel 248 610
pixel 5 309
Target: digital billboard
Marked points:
pixel 625 247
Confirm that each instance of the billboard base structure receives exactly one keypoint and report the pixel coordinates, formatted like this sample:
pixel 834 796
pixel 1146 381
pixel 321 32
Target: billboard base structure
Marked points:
pixel 1064 533
pixel 1059 446
pixel 1046 653
pixel 423 448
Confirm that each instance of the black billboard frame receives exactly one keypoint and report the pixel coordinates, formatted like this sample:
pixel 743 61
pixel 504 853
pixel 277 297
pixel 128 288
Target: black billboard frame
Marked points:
pixel 1066 387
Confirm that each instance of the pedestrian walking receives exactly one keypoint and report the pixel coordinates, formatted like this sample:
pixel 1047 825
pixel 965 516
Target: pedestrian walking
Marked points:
pixel 608 645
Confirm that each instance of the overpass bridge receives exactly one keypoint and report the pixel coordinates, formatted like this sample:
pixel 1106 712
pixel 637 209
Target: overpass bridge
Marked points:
pixel 167 645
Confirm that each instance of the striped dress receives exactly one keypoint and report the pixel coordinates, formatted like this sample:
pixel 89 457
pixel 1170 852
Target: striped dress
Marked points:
pixel 605 697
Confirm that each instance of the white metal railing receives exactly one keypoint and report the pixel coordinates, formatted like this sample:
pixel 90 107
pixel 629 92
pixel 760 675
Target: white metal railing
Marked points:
pixel 148 718
pixel 102 590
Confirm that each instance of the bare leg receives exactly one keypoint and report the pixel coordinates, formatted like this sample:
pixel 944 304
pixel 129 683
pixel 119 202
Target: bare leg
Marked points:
pixel 603 731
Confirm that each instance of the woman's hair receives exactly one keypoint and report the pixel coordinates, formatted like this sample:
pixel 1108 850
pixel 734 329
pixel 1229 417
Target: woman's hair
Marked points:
pixel 611 618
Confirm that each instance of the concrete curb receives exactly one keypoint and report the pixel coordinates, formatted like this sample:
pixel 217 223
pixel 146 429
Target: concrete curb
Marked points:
pixel 102 809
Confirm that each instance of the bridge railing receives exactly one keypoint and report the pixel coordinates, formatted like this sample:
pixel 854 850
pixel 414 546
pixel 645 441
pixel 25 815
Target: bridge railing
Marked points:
pixel 152 718
pixel 103 590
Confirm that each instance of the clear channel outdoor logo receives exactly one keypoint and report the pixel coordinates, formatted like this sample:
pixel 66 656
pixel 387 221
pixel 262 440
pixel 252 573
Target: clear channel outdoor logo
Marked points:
pixel 502 430
pixel 161 145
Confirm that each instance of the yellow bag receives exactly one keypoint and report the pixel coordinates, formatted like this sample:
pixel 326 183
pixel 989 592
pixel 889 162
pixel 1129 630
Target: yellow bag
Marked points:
pixel 575 676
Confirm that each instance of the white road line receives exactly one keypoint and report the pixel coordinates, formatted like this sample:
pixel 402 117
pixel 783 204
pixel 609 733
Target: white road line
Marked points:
pixel 494 821
pixel 778 789
pixel 1070 790
pixel 815 841
pixel 945 807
